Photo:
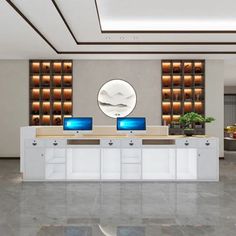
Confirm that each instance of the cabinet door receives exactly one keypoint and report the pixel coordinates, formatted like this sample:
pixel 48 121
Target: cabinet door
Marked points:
pixel 110 163
pixel 186 162
pixel 207 164
pixel 131 163
pixel 55 159
pixel 83 163
pixel 34 164
pixel 158 163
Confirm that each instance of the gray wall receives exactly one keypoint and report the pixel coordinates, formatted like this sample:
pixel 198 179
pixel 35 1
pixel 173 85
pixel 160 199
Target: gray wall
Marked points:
pixel 89 76
pixel 215 99
pixel 14 77
pixel 144 76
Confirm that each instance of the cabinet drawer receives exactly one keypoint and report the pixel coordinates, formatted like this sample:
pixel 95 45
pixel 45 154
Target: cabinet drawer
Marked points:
pixel 131 143
pixel 186 143
pixel 34 143
pixel 131 155
pixel 110 143
pixel 207 143
pixel 55 143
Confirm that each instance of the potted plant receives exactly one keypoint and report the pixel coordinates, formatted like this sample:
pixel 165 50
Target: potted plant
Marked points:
pixel 189 119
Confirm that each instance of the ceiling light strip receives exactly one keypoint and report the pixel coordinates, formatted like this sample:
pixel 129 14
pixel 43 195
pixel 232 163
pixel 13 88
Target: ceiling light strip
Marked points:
pixel 129 43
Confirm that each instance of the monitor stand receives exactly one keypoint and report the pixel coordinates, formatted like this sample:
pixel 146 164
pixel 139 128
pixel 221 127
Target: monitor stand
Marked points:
pixel 135 133
pixel 78 134
pixel 131 134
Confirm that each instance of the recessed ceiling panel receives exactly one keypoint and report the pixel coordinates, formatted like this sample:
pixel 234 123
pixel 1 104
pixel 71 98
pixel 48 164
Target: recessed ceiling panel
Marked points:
pixel 156 15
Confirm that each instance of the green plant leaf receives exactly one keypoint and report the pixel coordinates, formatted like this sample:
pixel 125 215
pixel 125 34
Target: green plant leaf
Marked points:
pixel 190 118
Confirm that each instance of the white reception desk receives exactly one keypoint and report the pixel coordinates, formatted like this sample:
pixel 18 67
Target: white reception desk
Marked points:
pixel 118 157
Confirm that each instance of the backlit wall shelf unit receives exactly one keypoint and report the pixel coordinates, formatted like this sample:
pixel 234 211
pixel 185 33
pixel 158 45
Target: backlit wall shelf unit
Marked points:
pixel 183 90
pixel 51 88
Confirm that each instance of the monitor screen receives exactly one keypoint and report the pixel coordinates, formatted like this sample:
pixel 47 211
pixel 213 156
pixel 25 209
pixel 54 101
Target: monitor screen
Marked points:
pixel 131 123
pixel 78 123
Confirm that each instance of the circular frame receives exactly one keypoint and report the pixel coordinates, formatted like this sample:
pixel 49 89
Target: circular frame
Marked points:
pixel 117 98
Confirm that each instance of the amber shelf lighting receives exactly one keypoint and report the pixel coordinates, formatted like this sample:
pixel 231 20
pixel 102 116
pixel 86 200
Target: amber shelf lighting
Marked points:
pixel 46 108
pixel 46 80
pixel 35 107
pixel 35 94
pixel 188 81
pixel 57 109
pixel 50 91
pixel 166 119
pixel 198 94
pixel 57 67
pixel 166 81
pixel 57 120
pixel 188 94
pixel 176 107
pixel 67 67
pixel 45 94
pixel 67 94
pixel 176 81
pixel 67 80
pixel 35 67
pixel 166 67
pixel 35 81
pixel 188 67
pixel 166 94
pixel 35 120
pixel 166 107
pixel 198 80
pixel 46 67
pixel 183 91
pixel 188 107
pixel 177 69
pixel 177 95
pixel 198 107
pixel 67 107
pixel 57 94
pixel 46 120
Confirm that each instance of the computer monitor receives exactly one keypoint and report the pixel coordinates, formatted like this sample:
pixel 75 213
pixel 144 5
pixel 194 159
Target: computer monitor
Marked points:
pixel 78 125
pixel 131 125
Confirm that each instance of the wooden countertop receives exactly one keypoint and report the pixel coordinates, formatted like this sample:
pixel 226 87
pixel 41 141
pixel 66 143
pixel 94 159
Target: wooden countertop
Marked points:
pixel 90 136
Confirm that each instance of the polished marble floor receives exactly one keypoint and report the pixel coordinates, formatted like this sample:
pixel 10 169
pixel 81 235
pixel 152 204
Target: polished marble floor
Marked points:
pixel 117 209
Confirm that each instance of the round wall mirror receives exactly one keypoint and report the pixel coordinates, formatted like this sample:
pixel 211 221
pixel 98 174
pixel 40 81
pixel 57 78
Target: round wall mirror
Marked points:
pixel 117 98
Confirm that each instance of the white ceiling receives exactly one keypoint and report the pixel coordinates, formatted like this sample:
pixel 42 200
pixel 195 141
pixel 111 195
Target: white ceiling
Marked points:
pixel 18 40
pixel 167 15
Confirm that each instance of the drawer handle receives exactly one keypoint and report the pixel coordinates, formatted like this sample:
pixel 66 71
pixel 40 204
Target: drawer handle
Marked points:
pixel 207 144
pixel 131 144
pixel 34 144
pixel 186 144
pixel 55 144
pixel 110 143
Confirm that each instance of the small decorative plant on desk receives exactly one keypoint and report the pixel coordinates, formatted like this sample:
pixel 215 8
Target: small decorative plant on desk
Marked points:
pixel 189 120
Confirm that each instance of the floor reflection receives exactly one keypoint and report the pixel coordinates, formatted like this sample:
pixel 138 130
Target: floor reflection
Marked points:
pixel 120 209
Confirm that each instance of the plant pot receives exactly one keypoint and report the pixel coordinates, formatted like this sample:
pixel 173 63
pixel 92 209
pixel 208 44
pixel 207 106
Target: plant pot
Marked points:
pixel 189 132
